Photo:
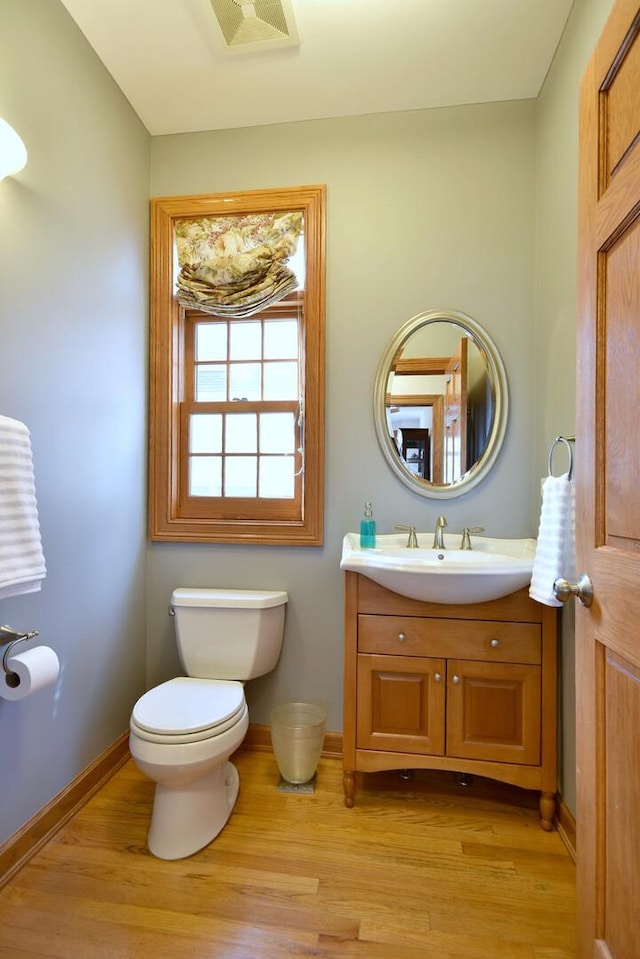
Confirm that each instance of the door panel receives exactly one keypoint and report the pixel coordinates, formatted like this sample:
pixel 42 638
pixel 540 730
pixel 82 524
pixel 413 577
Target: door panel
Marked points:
pixel 623 109
pixel 622 390
pixel 622 827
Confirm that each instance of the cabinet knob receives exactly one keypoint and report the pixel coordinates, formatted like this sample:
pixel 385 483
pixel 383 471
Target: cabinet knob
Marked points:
pixel 456 679
pixel 437 677
pixel 401 637
pixel 495 643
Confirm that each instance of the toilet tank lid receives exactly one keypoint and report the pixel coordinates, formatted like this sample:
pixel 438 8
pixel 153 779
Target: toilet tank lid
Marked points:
pixel 229 598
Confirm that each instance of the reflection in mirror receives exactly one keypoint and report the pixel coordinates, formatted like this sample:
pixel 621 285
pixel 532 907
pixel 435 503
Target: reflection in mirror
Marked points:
pixel 440 403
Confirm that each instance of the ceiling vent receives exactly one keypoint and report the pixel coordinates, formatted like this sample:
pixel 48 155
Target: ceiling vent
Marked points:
pixel 261 24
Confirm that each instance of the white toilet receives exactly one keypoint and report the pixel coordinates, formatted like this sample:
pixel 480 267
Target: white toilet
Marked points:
pixel 183 731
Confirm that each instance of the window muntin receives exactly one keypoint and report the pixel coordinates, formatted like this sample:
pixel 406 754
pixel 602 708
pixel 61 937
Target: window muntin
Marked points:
pixel 236 449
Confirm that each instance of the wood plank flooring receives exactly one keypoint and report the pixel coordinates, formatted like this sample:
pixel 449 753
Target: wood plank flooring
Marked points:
pixel 424 869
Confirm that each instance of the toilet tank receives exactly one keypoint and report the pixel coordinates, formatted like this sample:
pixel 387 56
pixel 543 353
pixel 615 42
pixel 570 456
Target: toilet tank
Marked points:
pixel 228 633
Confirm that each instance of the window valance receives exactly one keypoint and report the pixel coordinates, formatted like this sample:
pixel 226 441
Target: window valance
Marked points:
pixel 236 265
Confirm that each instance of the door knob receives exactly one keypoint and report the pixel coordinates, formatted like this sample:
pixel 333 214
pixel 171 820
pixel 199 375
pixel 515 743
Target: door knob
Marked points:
pixel 583 590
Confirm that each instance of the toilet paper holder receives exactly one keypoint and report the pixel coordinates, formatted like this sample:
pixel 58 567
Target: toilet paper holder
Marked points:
pixel 10 637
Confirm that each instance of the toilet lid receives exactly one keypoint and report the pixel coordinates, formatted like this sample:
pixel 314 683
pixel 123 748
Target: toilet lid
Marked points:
pixel 185 706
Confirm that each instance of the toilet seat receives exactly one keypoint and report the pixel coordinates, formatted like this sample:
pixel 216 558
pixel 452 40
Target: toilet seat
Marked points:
pixel 185 710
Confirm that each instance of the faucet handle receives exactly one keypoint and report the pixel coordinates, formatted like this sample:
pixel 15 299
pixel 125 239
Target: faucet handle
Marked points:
pixel 412 542
pixel 466 535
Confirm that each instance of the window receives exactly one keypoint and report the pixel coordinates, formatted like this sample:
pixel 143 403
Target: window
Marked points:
pixel 237 401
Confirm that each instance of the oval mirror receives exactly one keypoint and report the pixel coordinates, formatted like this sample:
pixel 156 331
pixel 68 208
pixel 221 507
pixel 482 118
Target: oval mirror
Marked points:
pixel 441 403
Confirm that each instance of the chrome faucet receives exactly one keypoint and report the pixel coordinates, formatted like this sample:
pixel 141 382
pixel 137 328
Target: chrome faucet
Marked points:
pixel 438 536
pixel 466 535
pixel 412 542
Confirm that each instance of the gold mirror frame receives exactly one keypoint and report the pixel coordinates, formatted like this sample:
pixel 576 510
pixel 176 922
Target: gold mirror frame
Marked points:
pixel 497 377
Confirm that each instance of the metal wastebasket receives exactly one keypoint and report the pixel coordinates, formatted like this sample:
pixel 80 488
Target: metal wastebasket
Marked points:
pixel 297 736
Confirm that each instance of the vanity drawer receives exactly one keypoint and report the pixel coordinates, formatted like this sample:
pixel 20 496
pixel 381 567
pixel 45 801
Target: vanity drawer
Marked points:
pixel 457 639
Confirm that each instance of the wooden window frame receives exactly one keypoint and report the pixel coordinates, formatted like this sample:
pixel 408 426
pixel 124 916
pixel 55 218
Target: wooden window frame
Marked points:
pixel 167 357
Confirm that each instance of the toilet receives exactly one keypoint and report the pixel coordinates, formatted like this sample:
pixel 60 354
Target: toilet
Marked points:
pixel 183 731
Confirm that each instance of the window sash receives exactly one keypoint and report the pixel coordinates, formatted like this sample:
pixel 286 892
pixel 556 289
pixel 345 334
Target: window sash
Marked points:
pixel 284 509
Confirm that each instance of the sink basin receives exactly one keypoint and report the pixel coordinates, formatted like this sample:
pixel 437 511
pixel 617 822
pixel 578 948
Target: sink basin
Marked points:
pixel 492 569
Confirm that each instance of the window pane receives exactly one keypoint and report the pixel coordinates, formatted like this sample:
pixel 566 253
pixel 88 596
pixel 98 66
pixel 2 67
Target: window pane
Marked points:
pixel 205 433
pixel 205 476
pixel 244 381
pixel 246 341
pixel 277 432
pixel 242 433
pixel 276 477
pixel 281 340
pixel 281 381
pixel 211 341
pixel 211 384
pixel 240 473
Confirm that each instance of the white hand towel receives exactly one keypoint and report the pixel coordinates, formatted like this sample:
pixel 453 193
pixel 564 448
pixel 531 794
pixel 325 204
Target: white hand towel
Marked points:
pixel 555 549
pixel 22 565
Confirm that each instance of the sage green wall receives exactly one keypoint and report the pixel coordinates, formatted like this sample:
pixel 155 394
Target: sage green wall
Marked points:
pixel 556 290
pixel 73 267
pixel 426 209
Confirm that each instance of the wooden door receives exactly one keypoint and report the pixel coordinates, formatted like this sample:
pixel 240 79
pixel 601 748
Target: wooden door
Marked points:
pixel 455 414
pixel 608 495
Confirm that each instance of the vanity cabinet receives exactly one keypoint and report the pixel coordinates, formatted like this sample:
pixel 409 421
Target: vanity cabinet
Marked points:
pixel 471 689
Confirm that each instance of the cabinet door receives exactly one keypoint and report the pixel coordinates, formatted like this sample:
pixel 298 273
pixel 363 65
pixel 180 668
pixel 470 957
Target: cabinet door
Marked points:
pixel 400 704
pixel 493 712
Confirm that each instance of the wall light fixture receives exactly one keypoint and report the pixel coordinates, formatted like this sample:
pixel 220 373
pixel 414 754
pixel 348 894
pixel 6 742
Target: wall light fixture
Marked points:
pixel 13 153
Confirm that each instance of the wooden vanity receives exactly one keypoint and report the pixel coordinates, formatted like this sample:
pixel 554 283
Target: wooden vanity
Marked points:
pixel 471 689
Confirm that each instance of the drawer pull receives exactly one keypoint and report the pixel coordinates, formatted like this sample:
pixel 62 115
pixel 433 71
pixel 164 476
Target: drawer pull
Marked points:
pixel 401 637
pixel 437 677
pixel 495 643
pixel 456 679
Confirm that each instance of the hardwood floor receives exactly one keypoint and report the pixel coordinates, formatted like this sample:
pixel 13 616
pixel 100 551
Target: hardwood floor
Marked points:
pixel 417 870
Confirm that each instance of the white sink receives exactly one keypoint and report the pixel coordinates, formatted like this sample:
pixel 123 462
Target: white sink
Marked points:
pixel 491 569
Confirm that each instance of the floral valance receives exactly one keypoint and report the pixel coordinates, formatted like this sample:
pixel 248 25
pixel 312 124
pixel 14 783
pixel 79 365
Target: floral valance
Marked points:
pixel 236 265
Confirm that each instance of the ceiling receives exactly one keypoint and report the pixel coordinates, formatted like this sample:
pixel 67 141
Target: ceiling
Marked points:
pixel 354 57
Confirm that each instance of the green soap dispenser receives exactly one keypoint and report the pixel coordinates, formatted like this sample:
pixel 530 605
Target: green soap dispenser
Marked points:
pixel 367 528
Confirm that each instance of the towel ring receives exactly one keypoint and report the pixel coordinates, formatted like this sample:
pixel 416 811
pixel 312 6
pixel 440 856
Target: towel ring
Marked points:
pixel 567 444
pixel 11 637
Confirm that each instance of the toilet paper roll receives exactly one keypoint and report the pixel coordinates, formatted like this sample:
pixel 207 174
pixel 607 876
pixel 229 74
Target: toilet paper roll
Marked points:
pixel 28 672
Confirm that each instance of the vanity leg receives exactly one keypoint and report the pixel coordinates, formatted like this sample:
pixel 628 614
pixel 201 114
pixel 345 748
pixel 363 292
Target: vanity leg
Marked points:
pixel 547 810
pixel 349 785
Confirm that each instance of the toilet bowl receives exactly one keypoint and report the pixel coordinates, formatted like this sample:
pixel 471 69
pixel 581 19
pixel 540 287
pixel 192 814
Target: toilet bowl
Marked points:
pixel 183 731
pixel 181 736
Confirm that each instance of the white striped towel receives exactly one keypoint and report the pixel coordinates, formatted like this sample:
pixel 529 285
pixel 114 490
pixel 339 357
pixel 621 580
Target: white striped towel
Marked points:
pixel 555 549
pixel 22 564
